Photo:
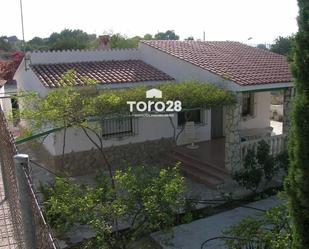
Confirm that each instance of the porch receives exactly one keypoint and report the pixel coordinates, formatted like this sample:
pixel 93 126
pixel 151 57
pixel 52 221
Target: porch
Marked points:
pixel 206 164
pixel 209 152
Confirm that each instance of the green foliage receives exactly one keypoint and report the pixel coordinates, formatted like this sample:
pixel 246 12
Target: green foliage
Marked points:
pixel 69 106
pixel 148 199
pixel 69 39
pixel 121 41
pixel 283 46
pixel 66 39
pixel 37 43
pixel 297 183
pixel 167 35
pixel 147 37
pixel 262 46
pixel 271 230
pixel 5 45
pixel 190 38
pixel 259 165
pixel 63 203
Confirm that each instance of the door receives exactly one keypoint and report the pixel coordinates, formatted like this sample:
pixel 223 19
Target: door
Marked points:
pixel 216 122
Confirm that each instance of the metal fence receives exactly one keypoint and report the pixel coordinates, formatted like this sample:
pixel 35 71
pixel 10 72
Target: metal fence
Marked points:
pixel 43 237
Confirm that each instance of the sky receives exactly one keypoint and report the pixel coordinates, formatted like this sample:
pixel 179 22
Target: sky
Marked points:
pixel 262 20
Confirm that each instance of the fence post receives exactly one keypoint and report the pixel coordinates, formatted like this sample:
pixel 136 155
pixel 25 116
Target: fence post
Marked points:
pixel 21 162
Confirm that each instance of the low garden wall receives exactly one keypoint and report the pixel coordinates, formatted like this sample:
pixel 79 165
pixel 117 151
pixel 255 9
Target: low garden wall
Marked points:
pixel 156 152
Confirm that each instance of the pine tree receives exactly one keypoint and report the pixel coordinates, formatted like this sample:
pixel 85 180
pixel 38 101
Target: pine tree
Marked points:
pixel 297 183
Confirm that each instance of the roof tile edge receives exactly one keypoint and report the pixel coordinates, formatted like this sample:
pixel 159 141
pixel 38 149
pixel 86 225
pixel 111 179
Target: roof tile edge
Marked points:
pixel 69 56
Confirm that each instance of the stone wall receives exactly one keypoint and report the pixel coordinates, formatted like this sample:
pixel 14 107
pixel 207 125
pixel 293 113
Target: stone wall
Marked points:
pixel 232 135
pixel 155 152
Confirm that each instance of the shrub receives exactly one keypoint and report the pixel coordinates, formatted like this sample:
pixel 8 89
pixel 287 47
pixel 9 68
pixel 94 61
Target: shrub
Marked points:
pixel 146 199
pixel 259 165
pixel 273 230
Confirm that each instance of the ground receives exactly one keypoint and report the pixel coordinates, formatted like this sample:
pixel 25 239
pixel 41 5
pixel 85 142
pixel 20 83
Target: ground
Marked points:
pixel 192 235
pixel 7 240
pixel 277 127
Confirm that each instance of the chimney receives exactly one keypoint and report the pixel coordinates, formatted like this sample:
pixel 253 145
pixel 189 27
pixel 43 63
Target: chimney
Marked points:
pixel 104 42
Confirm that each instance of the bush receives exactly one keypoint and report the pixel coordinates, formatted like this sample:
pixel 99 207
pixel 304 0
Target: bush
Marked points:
pixel 146 199
pixel 273 230
pixel 259 165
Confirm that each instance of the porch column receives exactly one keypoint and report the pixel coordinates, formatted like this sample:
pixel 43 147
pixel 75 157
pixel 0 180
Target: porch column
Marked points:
pixel 287 109
pixel 232 135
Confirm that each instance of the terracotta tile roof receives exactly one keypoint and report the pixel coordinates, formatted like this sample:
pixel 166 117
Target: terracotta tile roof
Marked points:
pixel 105 72
pixel 235 61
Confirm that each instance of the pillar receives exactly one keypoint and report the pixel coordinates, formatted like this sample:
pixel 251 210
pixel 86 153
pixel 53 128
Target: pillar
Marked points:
pixel 232 135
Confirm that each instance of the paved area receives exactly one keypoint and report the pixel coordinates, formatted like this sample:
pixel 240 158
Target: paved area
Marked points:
pixel 192 235
pixel 7 240
pixel 277 127
pixel 211 151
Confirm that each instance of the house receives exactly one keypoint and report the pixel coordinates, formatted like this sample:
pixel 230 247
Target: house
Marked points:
pixel 8 87
pixel 223 134
pixel 8 103
pixel 153 93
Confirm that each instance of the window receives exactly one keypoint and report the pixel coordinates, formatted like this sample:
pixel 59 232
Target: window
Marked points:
pixel 119 127
pixel 195 115
pixel 247 104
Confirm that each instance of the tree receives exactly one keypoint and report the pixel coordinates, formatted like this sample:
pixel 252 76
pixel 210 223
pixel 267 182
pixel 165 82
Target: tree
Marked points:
pixel 86 107
pixel 190 38
pixel 262 46
pixel 147 199
pixel 272 230
pixel 8 68
pixel 121 41
pixel 297 183
pixel 37 43
pixel 167 35
pixel 5 45
pixel 147 37
pixel 283 45
pixel 70 39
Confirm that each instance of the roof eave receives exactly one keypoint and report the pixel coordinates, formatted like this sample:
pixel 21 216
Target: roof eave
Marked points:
pixel 264 87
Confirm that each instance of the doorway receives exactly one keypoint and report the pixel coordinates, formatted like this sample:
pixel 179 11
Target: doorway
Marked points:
pixel 216 122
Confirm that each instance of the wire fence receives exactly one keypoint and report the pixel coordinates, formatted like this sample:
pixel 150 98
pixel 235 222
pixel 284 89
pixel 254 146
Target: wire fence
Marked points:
pixel 43 237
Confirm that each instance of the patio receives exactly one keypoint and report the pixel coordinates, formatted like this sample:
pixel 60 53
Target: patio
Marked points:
pixel 210 152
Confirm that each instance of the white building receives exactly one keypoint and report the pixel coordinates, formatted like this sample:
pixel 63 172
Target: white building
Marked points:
pixel 223 132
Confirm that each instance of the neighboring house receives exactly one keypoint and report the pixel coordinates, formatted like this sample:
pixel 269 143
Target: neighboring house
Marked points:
pixel 224 133
pixel 8 103
pixel 8 87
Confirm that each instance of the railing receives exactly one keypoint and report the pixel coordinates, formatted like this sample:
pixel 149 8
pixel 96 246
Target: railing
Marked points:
pixel 277 144
pixel 119 127
pixel 43 237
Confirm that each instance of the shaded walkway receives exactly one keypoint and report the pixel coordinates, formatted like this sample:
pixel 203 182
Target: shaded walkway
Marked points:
pixel 192 235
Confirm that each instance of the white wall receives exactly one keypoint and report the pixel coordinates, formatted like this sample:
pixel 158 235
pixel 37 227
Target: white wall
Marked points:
pixel 262 108
pixel 182 70
pixel 179 69
pixel 6 104
pixel 67 56
pixel 151 128
pixel 148 128
pixel 27 81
